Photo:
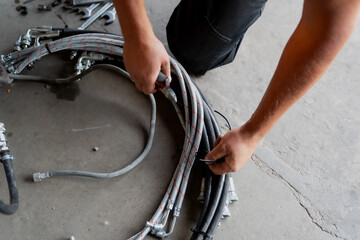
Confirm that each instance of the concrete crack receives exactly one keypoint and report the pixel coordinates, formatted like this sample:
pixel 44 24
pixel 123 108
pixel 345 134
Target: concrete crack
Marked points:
pixel 61 18
pixel 315 216
pixel 105 30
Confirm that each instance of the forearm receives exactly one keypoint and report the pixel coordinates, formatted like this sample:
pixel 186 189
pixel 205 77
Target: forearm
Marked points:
pixel 135 24
pixel 144 55
pixel 323 30
pixel 320 35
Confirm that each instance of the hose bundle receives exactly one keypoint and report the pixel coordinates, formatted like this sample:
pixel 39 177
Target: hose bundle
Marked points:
pixel 103 50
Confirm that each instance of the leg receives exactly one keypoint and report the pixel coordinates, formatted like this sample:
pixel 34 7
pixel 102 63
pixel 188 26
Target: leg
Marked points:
pixel 204 34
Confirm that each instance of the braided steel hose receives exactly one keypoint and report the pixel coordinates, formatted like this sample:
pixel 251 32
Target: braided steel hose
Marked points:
pixel 190 106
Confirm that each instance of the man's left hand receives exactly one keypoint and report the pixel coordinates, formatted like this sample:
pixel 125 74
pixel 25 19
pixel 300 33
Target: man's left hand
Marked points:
pixel 236 147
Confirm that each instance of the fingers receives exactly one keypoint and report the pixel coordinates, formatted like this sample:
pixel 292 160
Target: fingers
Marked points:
pixel 148 86
pixel 165 69
pixel 235 147
pixel 218 140
pixel 217 153
pixel 144 60
pixel 219 168
pixel 146 83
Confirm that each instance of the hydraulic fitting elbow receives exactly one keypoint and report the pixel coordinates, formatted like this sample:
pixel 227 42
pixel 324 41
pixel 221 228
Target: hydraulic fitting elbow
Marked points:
pixel 26 40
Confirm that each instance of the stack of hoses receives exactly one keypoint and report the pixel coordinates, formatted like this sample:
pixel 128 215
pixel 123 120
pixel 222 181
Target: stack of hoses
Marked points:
pixel 193 110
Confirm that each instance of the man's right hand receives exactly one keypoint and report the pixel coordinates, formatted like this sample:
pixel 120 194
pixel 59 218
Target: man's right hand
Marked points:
pixel 144 55
pixel 144 58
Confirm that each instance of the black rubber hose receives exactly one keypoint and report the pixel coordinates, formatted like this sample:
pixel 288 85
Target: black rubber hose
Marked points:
pixel 67 32
pixel 209 134
pixel 208 125
pixel 215 198
pixel 219 211
pixel 204 147
pixel 215 183
pixel 13 191
pixel 208 181
pixel 203 150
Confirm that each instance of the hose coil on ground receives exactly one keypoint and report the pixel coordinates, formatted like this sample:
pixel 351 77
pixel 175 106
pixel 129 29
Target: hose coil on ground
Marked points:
pixel 103 50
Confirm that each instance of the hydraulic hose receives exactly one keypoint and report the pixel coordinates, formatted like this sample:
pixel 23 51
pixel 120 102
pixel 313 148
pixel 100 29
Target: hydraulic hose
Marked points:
pixel 204 209
pixel 48 80
pixel 6 159
pixel 209 128
pixel 13 191
pixel 219 211
pixel 192 108
pixel 213 204
pixel 40 176
pixel 68 32
pixel 207 176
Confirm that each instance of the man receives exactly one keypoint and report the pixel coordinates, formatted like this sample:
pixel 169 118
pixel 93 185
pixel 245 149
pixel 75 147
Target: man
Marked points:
pixel 204 34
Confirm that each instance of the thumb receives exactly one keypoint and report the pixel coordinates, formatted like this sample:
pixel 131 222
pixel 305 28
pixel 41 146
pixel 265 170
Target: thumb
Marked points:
pixel 217 153
pixel 165 68
pixel 218 169
pixel 218 140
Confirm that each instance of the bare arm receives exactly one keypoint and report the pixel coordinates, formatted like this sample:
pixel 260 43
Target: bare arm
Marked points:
pixel 324 28
pixel 144 54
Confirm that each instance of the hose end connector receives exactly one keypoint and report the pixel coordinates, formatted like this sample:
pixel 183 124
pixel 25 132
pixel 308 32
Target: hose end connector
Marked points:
pixel 226 212
pixel 232 194
pixel 161 234
pixel 201 196
pixel 38 177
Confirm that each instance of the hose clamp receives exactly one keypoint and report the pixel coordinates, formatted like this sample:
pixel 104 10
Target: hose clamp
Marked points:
pixel 198 231
pixel 170 205
pixel 4 149
pixel 6 157
pixel 177 212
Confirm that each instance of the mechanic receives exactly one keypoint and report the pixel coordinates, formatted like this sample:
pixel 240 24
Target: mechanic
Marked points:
pixel 204 34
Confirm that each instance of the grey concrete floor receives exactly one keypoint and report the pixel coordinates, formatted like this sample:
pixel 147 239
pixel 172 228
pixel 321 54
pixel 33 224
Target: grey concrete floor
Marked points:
pixel 301 183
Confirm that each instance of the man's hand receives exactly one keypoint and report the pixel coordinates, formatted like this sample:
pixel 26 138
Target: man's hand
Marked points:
pixel 322 31
pixel 236 147
pixel 144 55
pixel 144 58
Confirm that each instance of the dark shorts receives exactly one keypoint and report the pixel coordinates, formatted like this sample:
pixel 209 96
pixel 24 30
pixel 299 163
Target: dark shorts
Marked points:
pixel 205 34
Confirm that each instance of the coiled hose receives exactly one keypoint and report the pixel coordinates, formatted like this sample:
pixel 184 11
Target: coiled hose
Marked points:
pixel 192 108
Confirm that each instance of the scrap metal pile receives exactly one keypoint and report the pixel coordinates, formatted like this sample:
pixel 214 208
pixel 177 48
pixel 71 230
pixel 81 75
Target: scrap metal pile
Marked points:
pixel 97 50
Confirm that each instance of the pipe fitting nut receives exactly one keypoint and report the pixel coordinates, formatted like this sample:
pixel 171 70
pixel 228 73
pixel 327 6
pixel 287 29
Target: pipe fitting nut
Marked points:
pixel 3 142
pixel 177 211
pixel 25 41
